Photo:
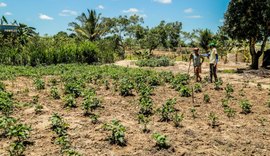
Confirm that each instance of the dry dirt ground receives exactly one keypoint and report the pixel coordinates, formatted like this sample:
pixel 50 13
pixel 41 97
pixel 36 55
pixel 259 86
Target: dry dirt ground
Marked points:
pixel 242 135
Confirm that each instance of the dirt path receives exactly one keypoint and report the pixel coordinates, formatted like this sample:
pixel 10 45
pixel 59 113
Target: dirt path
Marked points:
pixel 254 76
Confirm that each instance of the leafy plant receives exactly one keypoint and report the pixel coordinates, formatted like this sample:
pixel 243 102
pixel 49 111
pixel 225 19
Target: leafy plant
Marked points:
pixel 35 99
pixel 64 142
pixel 177 119
pixel 117 132
pixel 246 106
pixel 230 112
pixel 20 131
pixel 185 91
pixel 167 109
pixel 74 88
pixel 70 101
pixel 193 112
pixel 39 83
pixel 72 152
pixel 218 84
pixel 17 148
pixel 161 140
pixel 90 103
pixel 197 88
pixel 94 118
pixel 225 103
pixel 144 120
pixel 229 90
pixel 38 108
pixel 2 86
pixel 206 98
pixel 55 93
pixel 126 87
pixel 213 119
pixel 146 105
pixel 6 103
pixel 6 122
pixel 58 125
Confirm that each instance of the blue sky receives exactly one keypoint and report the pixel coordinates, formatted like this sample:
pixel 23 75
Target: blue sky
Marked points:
pixel 52 16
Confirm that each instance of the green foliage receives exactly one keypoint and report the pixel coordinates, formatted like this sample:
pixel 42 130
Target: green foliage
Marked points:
pixel 246 106
pixel 193 112
pixel 6 103
pixel 177 119
pixel 161 140
pixel 58 125
pixel 72 152
pixel 206 98
pixel 197 88
pixel 155 62
pixel 179 80
pixel 94 118
pixel 39 84
pixel 185 91
pixel 167 109
pixel 229 90
pixel 230 112
pixel 17 148
pixel 55 93
pixel 20 131
pixel 90 103
pixel 6 122
pixel 213 119
pixel 64 142
pixel 146 105
pixel 70 101
pixel 144 120
pixel 218 84
pixel 74 88
pixel 117 132
pixel 126 86
pixel 2 86
pixel 38 108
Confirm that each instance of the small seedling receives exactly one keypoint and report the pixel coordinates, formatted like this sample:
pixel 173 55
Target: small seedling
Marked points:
pixel 213 119
pixel 40 84
pixel 241 92
pixel 193 112
pixel 90 103
pixel 70 101
pixel 38 108
pixel 17 148
pixel 218 84
pixel 144 120
pixel 206 98
pixel 94 118
pixel 225 103
pixel 161 140
pixel 167 109
pixel 55 93
pixel 117 132
pixel 246 106
pixel 197 88
pixel 185 91
pixel 177 119
pixel 229 90
pixel 230 112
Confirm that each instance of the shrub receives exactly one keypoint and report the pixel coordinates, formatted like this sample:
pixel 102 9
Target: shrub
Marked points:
pixel 185 91
pixel 246 106
pixel 180 80
pixel 155 62
pixel 2 86
pixel 197 88
pixel 58 125
pixel 161 140
pixel 55 93
pixel 40 84
pixel 20 131
pixel 117 132
pixel 206 98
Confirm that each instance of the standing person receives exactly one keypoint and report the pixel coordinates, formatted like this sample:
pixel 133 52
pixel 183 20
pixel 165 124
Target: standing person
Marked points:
pixel 197 62
pixel 213 60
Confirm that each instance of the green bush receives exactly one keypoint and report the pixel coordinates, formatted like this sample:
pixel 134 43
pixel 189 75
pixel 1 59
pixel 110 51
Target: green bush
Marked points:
pixel 155 62
pixel 185 91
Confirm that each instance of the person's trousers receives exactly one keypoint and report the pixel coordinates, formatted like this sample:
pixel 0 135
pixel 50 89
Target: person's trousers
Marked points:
pixel 213 72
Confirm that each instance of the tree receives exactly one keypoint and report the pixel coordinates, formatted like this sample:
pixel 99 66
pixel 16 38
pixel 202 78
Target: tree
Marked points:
pixel 173 31
pixel 249 20
pixel 91 26
pixel 204 38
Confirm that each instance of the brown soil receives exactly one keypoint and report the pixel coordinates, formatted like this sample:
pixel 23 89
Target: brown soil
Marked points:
pixel 241 135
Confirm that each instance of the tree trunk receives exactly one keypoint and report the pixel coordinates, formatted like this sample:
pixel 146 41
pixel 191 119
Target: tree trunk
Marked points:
pixel 255 55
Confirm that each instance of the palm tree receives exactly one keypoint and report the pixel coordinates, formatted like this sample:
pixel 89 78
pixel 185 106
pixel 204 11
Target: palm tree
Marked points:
pixel 205 37
pixel 91 26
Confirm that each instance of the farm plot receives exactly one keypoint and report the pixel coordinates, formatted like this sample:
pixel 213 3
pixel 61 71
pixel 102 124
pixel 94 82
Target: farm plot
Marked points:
pixel 111 110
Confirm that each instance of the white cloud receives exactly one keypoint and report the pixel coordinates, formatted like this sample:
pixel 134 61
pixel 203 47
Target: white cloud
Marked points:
pixel 188 10
pixel 100 7
pixel 131 10
pixel 164 1
pixel 195 16
pixel 45 17
pixel 68 13
pixel 2 4
pixel 221 20
pixel 8 13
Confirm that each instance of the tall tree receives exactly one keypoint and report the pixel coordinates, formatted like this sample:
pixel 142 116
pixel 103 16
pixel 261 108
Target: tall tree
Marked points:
pixel 249 20
pixel 205 36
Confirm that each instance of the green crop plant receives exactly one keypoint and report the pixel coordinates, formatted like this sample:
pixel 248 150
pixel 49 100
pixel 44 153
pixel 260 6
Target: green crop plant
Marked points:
pixel 6 103
pixel 225 103
pixel 246 106
pixel 126 87
pixel 6 122
pixel 39 84
pixel 20 131
pixel 107 84
pixel 58 125
pixel 146 105
pixel 213 119
pixel 197 88
pixel 90 103
pixel 218 84
pixel 167 109
pixel 63 141
pixel 73 88
pixel 161 140
pixel 193 112
pixel 117 132
pixel 229 90
pixel 17 148
pixel 185 91
pixel 144 120
pixel 230 112
pixel 38 108
pixel 206 98
pixel 55 93
pixel 71 152
pixel 2 86
pixel 94 118
pixel 180 80
pixel 70 101
pixel 177 119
